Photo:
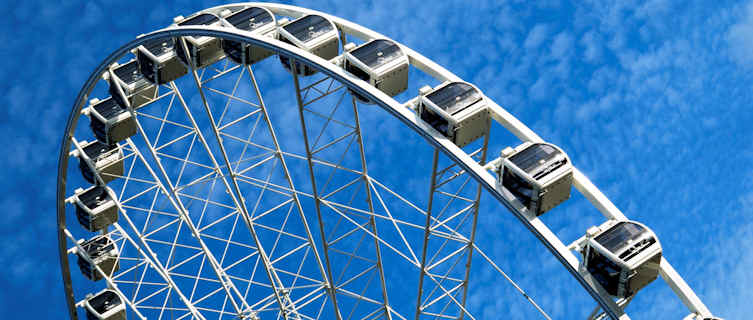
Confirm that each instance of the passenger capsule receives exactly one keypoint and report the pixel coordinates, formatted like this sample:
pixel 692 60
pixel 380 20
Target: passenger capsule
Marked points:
pixel 109 122
pixel 382 64
pixel 202 50
pixel 694 316
pixel 623 256
pixel 539 175
pixel 105 305
pixel 96 207
pixel 102 253
pixel 313 33
pixel 158 61
pixel 127 83
pixel 255 20
pixel 107 161
pixel 457 110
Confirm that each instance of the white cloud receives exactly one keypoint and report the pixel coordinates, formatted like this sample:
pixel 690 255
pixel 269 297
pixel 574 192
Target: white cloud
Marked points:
pixel 642 105
pixel 539 90
pixel 740 38
pixel 653 10
pixel 536 36
pixel 593 48
pixel 562 46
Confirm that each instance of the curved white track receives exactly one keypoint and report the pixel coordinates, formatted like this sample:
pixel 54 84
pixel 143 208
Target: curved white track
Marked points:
pixel 482 174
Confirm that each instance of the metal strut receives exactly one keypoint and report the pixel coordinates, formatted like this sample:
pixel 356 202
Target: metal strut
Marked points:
pixel 287 306
pixel 306 96
pixel 294 193
pixel 537 227
pixel 443 252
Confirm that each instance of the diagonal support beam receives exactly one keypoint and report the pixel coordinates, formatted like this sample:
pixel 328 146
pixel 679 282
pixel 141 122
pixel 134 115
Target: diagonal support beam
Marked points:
pixel 435 221
pixel 151 257
pixel 287 307
pixel 370 202
pixel 172 196
pixel 293 192
pixel 315 192
pixel 170 191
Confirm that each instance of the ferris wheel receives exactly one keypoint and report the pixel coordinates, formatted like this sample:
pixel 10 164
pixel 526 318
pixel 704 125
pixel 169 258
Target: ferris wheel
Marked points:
pixel 222 168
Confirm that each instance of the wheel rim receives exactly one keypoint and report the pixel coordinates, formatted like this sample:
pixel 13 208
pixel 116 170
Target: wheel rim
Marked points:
pixel 397 110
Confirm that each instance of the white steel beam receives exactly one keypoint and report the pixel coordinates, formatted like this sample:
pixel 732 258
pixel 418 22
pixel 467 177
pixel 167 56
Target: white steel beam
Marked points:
pixel 332 286
pixel 405 115
pixel 237 197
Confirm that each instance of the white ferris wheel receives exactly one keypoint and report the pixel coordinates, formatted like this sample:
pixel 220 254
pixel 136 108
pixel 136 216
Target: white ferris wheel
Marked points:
pixel 221 168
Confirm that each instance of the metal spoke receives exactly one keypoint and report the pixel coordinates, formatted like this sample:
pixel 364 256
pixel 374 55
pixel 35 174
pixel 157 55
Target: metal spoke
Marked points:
pixel 235 194
pixel 458 215
pixel 315 193
pixel 200 217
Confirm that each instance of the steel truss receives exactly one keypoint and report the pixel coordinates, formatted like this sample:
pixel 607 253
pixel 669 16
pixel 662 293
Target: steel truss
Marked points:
pixel 330 199
pixel 446 256
pixel 184 194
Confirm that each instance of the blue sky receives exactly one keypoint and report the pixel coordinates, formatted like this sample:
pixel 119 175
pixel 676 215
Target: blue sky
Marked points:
pixel 649 98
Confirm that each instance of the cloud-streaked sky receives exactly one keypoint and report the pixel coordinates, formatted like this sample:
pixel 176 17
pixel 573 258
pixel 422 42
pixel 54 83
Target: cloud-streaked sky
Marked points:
pixel 651 100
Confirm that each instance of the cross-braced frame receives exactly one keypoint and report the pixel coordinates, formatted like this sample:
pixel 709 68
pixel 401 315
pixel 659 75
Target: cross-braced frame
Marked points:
pixel 221 218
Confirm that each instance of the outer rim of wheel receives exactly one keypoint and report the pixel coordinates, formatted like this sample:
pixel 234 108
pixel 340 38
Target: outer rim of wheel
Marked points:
pixel 397 110
pixel 353 83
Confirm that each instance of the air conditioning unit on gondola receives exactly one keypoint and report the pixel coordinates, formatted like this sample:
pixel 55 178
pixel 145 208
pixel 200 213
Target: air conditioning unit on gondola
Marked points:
pixel 127 83
pixel 96 207
pixel 313 33
pixel 539 175
pixel 109 122
pixel 105 305
pixel 381 63
pixel 158 61
pixel 202 50
pixel 253 19
pixel 101 252
pixel 107 161
pixel 623 256
pixel 457 110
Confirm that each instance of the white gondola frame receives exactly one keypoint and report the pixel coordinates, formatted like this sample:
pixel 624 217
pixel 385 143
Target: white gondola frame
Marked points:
pixel 320 45
pixel 109 314
pixel 102 209
pixel 202 50
pixel 136 97
pixel 396 68
pixel 538 185
pixel 268 30
pixel 634 262
pixel 475 116
pixel 500 115
pixel 108 167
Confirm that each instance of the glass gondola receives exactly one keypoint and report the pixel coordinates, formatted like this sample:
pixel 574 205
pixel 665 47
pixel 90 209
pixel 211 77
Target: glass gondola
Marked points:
pixel 253 19
pixel 105 305
pixel 457 110
pixel 96 208
pixel 127 83
pixel 539 175
pixel 202 50
pixel 102 253
pixel 107 161
pixel 313 33
pixel 109 122
pixel 623 256
pixel 158 62
pixel 382 64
